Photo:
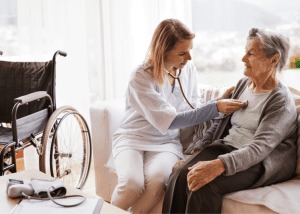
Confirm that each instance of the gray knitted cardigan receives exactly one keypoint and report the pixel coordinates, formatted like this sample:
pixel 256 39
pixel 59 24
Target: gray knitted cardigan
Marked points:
pixel 274 142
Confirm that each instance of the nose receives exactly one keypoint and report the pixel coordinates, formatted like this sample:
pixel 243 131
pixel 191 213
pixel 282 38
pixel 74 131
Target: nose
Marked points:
pixel 189 57
pixel 244 59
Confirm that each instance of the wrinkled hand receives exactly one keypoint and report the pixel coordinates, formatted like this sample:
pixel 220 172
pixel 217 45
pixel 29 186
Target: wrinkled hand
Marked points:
pixel 228 106
pixel 227 94
pixel 177 165
pixel 204 172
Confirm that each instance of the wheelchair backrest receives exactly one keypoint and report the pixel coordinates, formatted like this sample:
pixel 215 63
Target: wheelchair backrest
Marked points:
pixel 22 78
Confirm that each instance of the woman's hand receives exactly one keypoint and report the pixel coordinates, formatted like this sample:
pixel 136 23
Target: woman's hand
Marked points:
pixel 227 94
pixel 228 106
pixel 204 172
pixel 177 165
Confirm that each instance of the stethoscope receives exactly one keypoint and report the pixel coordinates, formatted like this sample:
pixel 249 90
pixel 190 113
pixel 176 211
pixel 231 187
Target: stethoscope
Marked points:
pixel 245 102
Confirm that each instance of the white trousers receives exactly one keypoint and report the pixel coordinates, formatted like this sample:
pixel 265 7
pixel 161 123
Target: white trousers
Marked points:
pixel 142 176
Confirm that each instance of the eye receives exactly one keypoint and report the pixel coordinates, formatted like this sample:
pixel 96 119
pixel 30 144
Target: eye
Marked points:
pixel 181 54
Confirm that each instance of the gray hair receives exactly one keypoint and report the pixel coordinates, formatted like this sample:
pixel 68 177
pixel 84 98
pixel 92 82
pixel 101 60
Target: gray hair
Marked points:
pixel 271 44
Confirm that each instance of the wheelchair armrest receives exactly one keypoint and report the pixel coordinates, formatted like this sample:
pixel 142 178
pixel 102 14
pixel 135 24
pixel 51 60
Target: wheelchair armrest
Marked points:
pixel 31 97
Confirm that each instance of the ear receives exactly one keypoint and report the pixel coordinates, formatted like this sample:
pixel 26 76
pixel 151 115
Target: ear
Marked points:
pixel 275 60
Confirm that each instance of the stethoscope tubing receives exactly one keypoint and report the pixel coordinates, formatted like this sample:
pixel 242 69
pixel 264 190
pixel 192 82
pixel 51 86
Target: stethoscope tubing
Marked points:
pixel 177 78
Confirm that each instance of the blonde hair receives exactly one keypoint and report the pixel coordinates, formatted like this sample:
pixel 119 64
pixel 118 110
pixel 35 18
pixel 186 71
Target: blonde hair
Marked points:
pixel 166 35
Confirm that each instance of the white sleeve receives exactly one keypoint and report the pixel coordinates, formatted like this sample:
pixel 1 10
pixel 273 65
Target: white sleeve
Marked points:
pixel 149 103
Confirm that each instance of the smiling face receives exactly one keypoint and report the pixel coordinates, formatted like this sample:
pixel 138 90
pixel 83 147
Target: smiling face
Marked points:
pixel 179 55
pixel 257 63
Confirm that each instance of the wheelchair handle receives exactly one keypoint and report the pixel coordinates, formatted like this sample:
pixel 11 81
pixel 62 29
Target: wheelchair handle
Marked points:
pixel 31 97
pixel 62 53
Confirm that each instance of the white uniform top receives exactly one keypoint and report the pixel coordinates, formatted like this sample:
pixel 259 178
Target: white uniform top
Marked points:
pixel 150 109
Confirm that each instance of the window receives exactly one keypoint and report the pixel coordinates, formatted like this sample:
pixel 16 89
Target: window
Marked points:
pixel 8 27
pixel 221 29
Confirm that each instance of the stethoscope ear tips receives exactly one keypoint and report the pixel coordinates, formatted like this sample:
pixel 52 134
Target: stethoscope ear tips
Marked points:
pixel 245 102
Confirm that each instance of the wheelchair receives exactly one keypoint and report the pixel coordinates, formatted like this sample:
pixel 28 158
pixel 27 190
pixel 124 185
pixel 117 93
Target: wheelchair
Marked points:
pixel 28 117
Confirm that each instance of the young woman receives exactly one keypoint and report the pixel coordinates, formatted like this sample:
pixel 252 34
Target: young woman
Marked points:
pixel 146 146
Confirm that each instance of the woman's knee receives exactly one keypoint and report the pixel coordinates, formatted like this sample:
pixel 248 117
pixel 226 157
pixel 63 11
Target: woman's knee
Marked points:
pixel 132 185
pixel 204 200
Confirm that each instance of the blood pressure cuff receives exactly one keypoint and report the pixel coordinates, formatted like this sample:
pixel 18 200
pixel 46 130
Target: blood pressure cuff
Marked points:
pixel 41 187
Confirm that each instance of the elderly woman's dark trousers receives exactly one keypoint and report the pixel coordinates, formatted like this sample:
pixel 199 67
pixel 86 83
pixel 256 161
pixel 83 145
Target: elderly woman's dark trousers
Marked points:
pixel 208 199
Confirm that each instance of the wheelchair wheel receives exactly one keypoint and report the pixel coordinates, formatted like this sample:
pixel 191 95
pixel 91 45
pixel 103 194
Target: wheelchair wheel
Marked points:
pixel 67 148
pixel 8 161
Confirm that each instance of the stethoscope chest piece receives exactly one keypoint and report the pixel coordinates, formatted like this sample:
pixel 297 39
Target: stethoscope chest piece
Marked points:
pixel 245 102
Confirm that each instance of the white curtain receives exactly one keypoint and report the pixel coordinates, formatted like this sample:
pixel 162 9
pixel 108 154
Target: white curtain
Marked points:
pixel 45 26
pixel 104 40
pixel 126 32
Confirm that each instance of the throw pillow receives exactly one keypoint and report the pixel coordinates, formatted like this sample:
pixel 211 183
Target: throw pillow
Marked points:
pixel 206 93
pixel 186 137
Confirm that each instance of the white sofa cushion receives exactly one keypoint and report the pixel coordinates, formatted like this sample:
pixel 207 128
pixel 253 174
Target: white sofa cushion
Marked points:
pixel 281 198
pixel 106 117
pixel 296 96
pixel 236 207
pixel 298 145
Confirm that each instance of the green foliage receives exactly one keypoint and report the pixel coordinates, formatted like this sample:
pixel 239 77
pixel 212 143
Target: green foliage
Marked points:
pixel 296 64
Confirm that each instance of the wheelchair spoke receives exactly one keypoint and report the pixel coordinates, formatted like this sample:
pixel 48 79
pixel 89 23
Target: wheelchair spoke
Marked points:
pixel 71 148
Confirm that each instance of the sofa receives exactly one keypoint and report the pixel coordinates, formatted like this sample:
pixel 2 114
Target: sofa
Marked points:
pixel 106 117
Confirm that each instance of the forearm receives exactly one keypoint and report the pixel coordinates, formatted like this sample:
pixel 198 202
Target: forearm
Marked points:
pixel 268 136
pixel 199 104
pixel 196 116
pixel 241 159
pixel 248 156
pixel 219 166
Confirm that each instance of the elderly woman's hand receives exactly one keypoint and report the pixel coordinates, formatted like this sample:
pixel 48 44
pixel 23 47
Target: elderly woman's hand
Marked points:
pixel 204 172
pixel 227 94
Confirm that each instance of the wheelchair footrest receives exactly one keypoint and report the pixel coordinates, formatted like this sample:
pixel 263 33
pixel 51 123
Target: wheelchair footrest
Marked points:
pixel 33 143
pixel 8 167
pixel 5 167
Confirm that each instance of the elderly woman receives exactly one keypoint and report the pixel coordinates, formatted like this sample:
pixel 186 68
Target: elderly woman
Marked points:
pixel 252 148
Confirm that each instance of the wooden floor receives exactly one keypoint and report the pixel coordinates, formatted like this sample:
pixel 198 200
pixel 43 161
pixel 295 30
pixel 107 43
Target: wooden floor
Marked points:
pixel 90 186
